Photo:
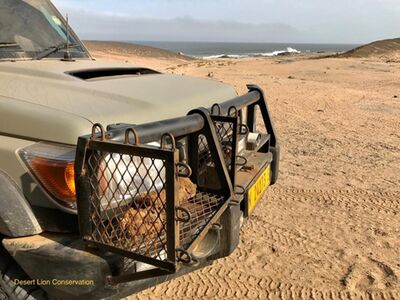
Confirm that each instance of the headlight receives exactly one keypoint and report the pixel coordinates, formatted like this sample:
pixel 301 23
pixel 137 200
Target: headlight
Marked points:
pixel 53 167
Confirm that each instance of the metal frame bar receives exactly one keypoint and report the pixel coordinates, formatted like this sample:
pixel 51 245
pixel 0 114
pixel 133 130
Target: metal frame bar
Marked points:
pixel 114 280
pixel 251 116
pixel 215 151
pixel 167 266
pixel 235 123
pixel 150 132
pixel 191 123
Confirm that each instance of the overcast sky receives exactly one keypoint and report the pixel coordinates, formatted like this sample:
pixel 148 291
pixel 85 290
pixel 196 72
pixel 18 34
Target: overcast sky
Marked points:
pixel 318 21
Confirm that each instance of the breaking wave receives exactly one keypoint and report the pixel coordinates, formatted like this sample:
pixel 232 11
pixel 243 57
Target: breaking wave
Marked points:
pixel 288 51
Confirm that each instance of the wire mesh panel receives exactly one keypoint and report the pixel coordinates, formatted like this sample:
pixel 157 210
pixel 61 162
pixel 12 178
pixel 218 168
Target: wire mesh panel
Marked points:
pixel 201 208
pixel 225 132
pixel 205 158
pixel 131 200
pixel 226 128
pixel 206 170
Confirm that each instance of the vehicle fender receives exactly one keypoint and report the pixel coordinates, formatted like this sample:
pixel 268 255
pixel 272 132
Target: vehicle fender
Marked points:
pixel 16 216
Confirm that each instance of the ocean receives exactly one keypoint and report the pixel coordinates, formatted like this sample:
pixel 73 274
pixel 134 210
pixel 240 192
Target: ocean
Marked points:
pixel 233 50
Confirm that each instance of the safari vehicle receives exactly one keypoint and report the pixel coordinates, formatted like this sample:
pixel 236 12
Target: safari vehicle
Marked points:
pixel 94 212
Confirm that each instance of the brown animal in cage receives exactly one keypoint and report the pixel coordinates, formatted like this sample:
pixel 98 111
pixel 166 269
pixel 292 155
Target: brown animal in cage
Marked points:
pixel 145 222
pixel 187 190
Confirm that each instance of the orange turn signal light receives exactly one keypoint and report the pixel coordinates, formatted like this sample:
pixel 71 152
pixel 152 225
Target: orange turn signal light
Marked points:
pixel 58 177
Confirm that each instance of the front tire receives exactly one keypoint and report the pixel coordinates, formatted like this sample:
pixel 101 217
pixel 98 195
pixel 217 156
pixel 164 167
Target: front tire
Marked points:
pixel 9 272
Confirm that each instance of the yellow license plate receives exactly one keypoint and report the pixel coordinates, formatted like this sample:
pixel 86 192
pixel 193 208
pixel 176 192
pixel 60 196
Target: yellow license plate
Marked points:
pixel 257 190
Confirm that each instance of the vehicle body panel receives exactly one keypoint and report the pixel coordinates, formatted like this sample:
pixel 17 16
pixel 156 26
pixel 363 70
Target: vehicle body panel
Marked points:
pixel 55 106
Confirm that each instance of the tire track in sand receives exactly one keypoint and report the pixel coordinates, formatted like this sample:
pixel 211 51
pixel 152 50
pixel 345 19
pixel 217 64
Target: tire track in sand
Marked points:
pixel 219 282
pixel 245 275
pixel 381 202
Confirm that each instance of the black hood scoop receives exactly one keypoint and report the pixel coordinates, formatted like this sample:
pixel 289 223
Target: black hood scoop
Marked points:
pixel 104 74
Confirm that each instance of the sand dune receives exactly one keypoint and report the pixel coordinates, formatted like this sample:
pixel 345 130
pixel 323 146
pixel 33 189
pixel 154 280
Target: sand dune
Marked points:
pixel 135 54
pixel 330 229
pixel 389 49
pixel 120 48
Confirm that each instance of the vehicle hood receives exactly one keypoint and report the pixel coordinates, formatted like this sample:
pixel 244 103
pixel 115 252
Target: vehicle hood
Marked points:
pixel 42 100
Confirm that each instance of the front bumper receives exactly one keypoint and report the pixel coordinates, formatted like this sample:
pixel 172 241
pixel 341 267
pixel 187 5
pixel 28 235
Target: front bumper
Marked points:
pixel 66 268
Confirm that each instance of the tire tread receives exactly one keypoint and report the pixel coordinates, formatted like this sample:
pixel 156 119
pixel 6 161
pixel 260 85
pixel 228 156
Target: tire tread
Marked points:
pixel 9 271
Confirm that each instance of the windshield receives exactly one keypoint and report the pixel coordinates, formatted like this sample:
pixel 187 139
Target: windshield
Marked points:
pixel 30 29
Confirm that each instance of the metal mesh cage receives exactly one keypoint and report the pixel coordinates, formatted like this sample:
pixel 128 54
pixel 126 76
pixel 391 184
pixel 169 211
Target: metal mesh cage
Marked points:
pixel 133 202
pixel 138 200
pixel 128 205
pixel 129 195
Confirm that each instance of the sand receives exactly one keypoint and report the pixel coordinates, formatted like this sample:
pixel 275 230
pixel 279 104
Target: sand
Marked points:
pixel 330 228
pixel 136 54
pixel 386 50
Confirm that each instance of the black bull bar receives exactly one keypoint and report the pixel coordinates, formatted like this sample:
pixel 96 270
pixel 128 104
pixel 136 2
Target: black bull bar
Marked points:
pixel 130 178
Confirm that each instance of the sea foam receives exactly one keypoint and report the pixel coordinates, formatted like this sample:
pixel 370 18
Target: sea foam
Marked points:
pixel 288 50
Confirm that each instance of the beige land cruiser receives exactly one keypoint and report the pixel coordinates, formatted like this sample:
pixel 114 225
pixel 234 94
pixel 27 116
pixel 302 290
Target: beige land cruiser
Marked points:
pixel 115 178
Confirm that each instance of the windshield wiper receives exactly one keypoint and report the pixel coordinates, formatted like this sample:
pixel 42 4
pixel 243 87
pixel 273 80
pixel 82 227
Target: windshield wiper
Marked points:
pixel 49 51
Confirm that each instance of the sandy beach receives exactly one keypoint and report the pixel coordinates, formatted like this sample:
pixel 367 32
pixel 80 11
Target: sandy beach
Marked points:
pixel 330 228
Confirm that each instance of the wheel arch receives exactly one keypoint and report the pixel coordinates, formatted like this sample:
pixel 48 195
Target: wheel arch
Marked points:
pixel 16 216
